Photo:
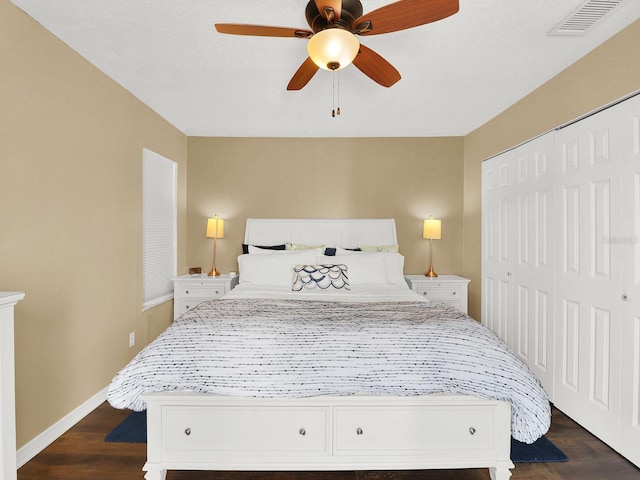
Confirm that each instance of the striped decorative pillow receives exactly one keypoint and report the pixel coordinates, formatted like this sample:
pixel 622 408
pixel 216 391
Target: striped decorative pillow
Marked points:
pixel 309 277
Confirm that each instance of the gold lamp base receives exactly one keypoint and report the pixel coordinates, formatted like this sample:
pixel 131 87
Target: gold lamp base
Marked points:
pixel 431 272
pixel 215 230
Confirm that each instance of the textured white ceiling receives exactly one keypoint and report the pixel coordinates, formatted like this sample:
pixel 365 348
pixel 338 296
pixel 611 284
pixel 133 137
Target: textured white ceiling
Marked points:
pixel 457 73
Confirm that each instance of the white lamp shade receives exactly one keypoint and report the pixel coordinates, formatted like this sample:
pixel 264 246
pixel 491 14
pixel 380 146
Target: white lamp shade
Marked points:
pixel 432 229
pixel 333 48
pixel 212 231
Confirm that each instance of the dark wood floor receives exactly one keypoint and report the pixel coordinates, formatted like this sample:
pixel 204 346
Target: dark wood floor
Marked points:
pixel 81 454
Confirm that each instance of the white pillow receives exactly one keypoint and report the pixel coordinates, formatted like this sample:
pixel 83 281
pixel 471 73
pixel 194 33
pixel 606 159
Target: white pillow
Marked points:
pixel 395 268
pixel 393 262
pixel 363 269
pixel 274 269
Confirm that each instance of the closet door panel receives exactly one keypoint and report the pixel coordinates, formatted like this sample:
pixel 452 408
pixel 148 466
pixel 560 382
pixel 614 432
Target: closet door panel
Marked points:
pixel 629 244
pixel 532 268
pixel 518 252
pixel 497 218
pixel 588 276
pixel 542 266
pixel 570 342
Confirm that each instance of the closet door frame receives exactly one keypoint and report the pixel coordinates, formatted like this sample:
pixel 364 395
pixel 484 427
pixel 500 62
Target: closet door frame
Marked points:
pixel 593 374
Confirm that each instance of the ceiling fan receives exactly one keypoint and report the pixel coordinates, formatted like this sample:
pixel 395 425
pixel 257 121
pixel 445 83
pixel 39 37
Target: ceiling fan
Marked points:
pixel 332 39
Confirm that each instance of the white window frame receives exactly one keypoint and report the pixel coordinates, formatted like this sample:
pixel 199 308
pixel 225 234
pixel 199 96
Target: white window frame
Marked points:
pixel 159 228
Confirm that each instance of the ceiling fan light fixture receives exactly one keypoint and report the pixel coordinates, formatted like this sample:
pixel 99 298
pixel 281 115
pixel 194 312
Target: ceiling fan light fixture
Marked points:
pixel 333 48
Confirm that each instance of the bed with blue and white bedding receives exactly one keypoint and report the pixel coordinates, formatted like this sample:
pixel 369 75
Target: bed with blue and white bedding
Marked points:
pixel 261 347
pixel 329 362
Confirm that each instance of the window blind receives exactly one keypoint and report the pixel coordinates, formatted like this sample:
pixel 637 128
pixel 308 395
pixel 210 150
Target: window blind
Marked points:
pixel 159 238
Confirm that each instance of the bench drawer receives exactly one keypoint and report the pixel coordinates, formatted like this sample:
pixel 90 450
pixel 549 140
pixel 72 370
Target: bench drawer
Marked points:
pixel 247 430
pixel 411 429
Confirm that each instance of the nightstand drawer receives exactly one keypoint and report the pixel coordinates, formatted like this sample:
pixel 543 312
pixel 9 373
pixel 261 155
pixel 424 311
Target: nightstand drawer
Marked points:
pixel 449 289
pixel 443 293
pixel 182 306
pixel 197 290
pixel 191 290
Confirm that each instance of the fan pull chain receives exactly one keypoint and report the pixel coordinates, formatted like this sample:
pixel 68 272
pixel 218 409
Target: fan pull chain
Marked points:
pixel 338 111
pixel 333 92
pixel 335 112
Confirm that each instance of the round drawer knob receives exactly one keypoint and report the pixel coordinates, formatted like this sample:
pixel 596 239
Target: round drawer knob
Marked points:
pixel 217 292
pixel 187 431
pixel 359 431
pixel 186 292
pixel 472 430
pixel 625 297
pixel 454 293
pixel 302 432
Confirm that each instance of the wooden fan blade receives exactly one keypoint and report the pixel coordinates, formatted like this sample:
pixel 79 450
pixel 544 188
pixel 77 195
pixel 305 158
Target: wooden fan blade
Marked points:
pixel 305 73
pixel 375 67
pixel 405 14
pixel 262 31
pixel 328 8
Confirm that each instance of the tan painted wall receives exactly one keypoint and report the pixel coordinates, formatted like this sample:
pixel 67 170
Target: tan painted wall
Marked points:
pixel 609 72
pixel 403 178
pixel 71 144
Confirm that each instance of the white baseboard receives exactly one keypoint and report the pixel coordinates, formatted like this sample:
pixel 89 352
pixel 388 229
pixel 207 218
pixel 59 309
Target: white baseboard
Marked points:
pixel 46 438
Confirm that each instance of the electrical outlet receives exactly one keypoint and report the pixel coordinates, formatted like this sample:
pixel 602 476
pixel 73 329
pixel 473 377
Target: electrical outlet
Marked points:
pixel 132 339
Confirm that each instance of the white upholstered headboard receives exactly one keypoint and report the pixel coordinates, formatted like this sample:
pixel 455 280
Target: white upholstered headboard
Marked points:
pixel 331 232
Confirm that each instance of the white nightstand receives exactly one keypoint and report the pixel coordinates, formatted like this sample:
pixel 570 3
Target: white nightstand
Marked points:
pixel 449 289
pixel 190 290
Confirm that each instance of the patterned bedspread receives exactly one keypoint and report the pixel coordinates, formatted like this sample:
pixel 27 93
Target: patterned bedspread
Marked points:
pixel 292 348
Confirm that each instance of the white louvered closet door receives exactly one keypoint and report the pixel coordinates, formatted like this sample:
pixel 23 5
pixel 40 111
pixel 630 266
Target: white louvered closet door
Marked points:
pixel 629 245
pixel 518 272
pixel 588 273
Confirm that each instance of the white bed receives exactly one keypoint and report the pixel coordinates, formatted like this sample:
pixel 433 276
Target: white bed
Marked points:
pixel 382 422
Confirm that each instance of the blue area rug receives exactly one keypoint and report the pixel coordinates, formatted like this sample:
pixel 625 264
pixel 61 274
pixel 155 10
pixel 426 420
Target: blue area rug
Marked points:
pixel 540 451
pixel 133 429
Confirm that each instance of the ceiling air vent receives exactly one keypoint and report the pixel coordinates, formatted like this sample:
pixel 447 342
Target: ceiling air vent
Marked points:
pixel 584 17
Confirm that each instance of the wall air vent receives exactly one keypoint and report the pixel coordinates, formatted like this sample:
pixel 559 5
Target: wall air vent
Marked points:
pixel 584 17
